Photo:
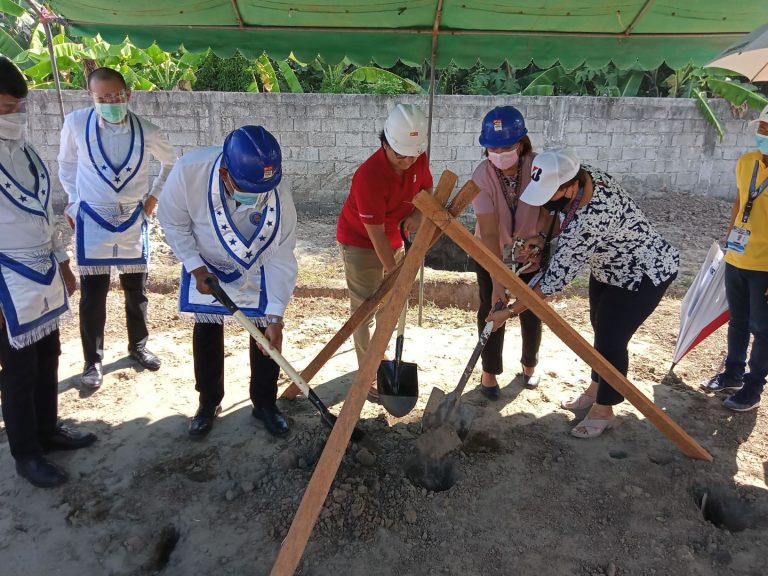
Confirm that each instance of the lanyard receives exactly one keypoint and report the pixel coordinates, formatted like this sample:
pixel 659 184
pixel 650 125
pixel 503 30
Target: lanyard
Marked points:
pixel 572 210
pixel 509 197
pixel 754 192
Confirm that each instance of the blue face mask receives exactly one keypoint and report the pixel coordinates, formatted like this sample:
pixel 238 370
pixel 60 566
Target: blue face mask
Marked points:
pixel 762 143
pixel 245 198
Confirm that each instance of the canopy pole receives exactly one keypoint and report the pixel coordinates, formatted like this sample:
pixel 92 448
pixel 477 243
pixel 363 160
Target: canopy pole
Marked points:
pixel 45 18
pixel 435 37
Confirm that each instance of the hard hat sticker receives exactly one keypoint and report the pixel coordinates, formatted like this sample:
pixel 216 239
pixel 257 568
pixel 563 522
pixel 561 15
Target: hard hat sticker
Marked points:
pixel 267 172
pixel 497 127
pixel 414 134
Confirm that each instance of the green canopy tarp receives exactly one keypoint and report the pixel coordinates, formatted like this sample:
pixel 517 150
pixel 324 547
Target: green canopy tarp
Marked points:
pixel 631 33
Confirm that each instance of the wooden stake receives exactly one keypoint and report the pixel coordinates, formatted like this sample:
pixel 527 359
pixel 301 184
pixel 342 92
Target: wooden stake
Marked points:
pixel 461 236
pixel 369 306
pixel 317 490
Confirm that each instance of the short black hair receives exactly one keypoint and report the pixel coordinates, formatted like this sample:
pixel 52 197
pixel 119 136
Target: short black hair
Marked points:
pixel 383 138
pixel 12 81
pixel 106 74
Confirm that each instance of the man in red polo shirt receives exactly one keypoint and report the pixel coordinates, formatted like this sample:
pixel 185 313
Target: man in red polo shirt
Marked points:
pixel 381 196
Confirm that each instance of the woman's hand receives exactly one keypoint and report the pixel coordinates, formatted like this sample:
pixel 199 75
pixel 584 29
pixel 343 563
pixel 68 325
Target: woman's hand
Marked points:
pixel 499 293
pixel 530 251
pixel 498 317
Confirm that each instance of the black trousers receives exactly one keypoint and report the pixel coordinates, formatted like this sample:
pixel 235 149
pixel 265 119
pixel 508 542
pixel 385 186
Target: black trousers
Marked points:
pixel 208 353
pixel 530 328
pixel 29 388
pixel 93 312
pixel 616 314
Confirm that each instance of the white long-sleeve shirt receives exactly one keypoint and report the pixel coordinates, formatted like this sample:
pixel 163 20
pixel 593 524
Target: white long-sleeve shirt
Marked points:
pixel 77 169
pixel 22 230
pixel 185 216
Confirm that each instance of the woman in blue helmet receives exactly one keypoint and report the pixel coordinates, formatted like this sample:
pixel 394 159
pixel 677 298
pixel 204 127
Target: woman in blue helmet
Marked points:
pixel 517 233
pixel 225 218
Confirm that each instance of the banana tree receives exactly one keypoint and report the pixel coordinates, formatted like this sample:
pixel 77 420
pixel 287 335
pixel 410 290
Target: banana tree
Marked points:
pixel 698 83
pixel 12 19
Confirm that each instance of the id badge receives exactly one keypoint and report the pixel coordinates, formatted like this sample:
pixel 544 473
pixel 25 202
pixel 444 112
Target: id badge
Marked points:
pixel 737 240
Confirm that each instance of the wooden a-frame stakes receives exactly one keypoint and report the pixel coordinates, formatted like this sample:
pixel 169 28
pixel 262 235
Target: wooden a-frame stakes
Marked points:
pixel 437 219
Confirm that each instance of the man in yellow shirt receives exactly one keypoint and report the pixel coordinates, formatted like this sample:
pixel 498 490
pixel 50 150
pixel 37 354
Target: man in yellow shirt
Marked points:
pixel 746 279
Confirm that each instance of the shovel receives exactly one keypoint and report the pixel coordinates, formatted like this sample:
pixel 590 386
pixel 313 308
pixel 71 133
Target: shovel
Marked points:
pixel 328 419
pixel 446 409
pixel 398 381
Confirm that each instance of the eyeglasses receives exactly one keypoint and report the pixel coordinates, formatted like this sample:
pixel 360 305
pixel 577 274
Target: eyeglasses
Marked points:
pixel 115 97
pixel 11 105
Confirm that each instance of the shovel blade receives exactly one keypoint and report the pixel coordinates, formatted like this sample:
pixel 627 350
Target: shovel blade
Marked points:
pixel 447 410
pixel 398 395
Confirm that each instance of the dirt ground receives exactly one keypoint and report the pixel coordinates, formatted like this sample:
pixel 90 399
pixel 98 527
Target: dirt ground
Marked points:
pixel 527 497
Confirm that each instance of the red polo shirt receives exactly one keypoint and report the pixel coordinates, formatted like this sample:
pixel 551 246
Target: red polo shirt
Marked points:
pixel 379 195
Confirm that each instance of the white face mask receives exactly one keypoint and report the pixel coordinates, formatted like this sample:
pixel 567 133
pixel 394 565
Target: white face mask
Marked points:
pixel 13 126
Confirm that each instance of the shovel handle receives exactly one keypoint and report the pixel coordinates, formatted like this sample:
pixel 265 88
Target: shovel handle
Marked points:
pixel 279 359
pixel 484 335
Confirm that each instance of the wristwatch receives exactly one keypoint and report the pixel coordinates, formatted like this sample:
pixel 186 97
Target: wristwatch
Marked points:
pixel 272 319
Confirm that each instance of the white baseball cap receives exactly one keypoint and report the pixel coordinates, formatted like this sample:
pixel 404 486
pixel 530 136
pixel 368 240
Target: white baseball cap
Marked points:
pixel 762 118
pixel 550 170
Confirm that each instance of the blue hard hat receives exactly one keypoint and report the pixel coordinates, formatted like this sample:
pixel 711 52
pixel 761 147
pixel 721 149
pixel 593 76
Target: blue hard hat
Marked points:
pixel 253 159
pixel 502 126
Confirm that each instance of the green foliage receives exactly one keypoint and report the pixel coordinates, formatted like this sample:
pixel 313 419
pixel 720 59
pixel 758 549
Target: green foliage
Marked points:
pixel 699 83
pixel 150 69
pixel 224 74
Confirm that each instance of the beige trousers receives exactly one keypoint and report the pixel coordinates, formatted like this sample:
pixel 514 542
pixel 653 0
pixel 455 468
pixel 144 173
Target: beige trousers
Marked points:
pixel 364 273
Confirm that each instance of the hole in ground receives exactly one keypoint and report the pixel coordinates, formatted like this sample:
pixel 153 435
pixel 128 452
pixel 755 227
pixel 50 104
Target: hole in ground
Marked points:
pixel 434 475
pixel 165 546
pixel 721 506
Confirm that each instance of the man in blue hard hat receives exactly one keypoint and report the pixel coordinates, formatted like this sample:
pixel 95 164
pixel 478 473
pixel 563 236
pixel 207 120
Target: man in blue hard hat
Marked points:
pixel 224 218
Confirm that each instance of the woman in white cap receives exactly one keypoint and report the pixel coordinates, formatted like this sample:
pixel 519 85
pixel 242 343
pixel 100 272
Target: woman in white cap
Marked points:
pixel 516 232
pixel 631 266
pixel 380 198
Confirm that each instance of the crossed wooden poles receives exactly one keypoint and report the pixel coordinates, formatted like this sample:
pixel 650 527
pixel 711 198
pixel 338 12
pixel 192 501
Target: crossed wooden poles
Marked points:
pixel 397 286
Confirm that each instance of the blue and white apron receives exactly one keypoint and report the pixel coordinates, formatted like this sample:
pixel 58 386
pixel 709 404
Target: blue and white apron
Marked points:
pixel 32 294
pixel 240 267
pixel 112 233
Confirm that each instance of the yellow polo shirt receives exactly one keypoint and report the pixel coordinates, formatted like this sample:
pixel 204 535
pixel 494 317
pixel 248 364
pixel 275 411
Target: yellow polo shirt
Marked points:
pixel 755 255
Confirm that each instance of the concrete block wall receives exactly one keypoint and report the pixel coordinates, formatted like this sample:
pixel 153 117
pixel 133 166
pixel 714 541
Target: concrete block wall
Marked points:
pixel 652 145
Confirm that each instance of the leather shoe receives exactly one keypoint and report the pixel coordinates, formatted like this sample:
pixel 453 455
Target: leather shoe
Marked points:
pixel 490 392
pixel 531 381
pixel 202 421
pixel 92 376
pixel 67 439
pixel 145 358
pixel 41 472
pixel 272 418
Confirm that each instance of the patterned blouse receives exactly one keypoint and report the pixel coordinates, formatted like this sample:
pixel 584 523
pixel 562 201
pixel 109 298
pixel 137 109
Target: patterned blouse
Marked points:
pixel 613 237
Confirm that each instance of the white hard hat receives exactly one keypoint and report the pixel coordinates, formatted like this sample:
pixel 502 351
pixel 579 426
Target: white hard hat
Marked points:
pixel 406 130
pixel 549 170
